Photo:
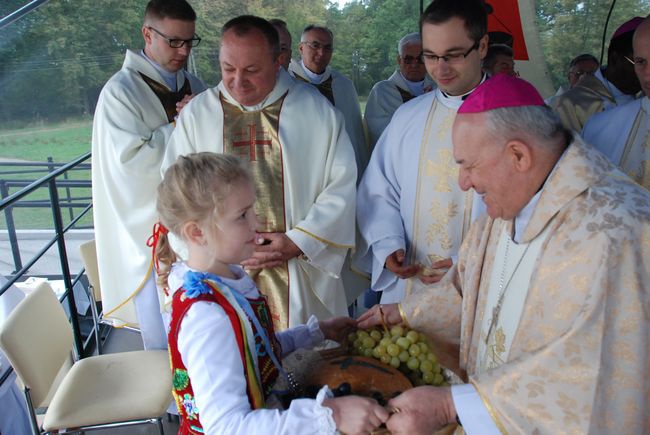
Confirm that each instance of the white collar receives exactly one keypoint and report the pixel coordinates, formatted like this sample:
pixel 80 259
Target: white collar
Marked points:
pixel 312 76
pixel 416 88
pixel 522 219
pixel 455 101
pixel 168 77
pixel 242 282
pixel 282 84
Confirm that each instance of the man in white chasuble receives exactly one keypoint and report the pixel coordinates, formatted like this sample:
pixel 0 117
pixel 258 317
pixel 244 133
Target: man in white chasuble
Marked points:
pixel 316 49
pixel 551 287
pixel 407 82
pixel 131 127
pixel 412 215
pixel 623 133
pixel 302 161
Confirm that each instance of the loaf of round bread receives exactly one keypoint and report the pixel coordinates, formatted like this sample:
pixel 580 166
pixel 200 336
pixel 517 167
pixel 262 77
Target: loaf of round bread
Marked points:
pixel 366 376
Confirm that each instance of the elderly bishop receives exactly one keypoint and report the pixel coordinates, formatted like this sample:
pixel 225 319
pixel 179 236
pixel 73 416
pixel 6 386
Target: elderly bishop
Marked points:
pixel 552 284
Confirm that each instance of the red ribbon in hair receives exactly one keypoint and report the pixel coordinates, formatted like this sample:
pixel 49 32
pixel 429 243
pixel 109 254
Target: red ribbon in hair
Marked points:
pixel 158 230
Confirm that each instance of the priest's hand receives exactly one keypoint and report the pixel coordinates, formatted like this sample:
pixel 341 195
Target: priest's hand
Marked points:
pixel 356 415
pixel 272 250
pixel 437 270
pixel 395 263
pixel 337 328
pixel 421 410
pixel 373 317
pixel 186 99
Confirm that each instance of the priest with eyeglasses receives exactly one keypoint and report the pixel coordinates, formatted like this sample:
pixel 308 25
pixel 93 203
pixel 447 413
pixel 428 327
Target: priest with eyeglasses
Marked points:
pixel 133 121
pixel 316 49
pixel 412 215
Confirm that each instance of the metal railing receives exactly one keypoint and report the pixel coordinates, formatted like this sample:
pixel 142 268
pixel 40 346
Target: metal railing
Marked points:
pixel 53 181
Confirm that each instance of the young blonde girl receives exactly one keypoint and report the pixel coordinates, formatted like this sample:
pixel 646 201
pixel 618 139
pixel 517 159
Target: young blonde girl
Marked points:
pixel 225 355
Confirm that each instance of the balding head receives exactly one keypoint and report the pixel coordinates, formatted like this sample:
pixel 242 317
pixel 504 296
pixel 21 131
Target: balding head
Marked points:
pixel 641 47
pixel 506 141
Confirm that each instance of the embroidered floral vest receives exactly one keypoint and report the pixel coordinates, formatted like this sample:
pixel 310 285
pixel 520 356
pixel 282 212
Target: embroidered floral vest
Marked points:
pixel 182 385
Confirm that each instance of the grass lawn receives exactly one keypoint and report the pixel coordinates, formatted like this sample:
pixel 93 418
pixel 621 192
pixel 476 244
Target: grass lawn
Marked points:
pixel 61 141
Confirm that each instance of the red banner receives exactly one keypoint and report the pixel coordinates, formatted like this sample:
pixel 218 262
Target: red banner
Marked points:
pixel 505 18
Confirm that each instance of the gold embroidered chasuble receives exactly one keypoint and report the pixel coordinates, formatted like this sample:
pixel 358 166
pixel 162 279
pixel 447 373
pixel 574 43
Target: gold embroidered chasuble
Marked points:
pixel 253 137
pixel 635 160
pixel 587 98
pixel 579 357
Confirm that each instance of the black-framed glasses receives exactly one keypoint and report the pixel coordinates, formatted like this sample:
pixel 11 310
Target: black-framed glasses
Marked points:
pixel 452 58
pixel 178 43
pixel 315 45
pixel 409 60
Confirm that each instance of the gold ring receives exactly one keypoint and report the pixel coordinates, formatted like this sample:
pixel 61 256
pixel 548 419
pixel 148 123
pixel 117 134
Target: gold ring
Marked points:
pixel 395 410
pixel 383 319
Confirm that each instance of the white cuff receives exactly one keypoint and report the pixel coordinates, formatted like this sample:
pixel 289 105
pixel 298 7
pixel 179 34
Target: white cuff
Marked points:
pixel 471 411
pixel 310 246
pixel 324 419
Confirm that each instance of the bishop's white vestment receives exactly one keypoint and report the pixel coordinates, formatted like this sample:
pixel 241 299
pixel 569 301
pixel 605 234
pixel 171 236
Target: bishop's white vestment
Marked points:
pixel 296 142
pixel 384 98
pixel 567 351
pixel 409 196
pixel 132 124
pixel 623 135
pixel 340 91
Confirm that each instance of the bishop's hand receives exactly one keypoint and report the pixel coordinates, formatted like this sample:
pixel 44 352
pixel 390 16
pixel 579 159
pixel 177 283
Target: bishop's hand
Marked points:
pixel 395 263
pixel 380 314
pixel 421 410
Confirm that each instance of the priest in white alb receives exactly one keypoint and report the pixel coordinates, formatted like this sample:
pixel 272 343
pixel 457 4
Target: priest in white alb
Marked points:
pixel 302 162
pixel 623 133
pixel 412 215
pixel 316 48
pixel 410 80
pixel 551 285
pixel 132 124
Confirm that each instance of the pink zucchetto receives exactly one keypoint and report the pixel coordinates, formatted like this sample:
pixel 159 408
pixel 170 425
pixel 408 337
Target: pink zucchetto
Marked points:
pixel 628 26
pixel 501 90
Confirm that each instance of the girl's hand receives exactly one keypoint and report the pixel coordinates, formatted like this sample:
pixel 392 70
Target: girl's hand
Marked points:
pixel 356 415
pixel 337 328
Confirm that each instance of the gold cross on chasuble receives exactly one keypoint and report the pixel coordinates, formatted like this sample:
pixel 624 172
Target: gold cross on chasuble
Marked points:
pixel 252 142
pixel 254 137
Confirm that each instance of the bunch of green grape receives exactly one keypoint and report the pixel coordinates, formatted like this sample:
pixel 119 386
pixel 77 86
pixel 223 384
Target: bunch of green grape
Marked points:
pixel 401 348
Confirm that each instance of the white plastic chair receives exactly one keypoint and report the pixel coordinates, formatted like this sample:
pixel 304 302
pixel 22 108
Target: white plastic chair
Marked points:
pixel 107 390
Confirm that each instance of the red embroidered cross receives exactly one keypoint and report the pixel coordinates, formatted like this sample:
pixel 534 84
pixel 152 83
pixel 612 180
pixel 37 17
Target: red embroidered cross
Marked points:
pixel 252 142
